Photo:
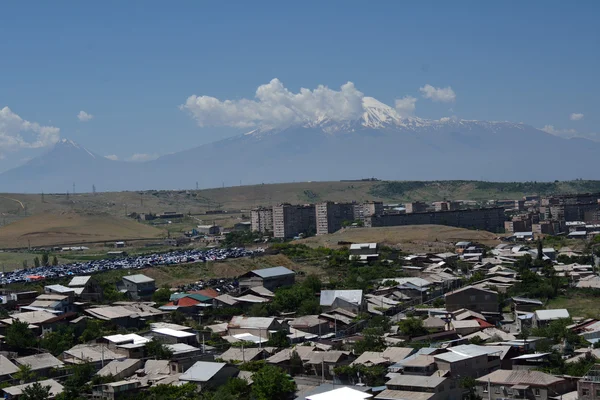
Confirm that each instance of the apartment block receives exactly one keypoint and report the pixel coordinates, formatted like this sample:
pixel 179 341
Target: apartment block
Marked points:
pixel 262 220
pixel 291 220
pixel 331 216
pixel 489 219
pixel 446 205
pixel 416 207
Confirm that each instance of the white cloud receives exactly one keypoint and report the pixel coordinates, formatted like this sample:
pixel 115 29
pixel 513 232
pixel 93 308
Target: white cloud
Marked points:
pixel 406 106
pixel 576 116
pixel 276 106
pixel 444 95
pixel 84 117
pixel 141 157
pixel 566 133
pixel 112 157
pixel 17 133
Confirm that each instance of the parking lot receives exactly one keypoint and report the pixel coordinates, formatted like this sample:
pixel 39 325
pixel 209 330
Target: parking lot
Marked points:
pixel 134 262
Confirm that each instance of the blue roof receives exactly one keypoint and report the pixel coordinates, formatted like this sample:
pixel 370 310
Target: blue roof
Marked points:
pixel 271 272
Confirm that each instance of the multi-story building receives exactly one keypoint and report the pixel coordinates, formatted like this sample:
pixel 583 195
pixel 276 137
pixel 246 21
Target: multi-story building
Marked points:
pixel 416 207
pixel 489 219
pixel 291 220
pixel 262 220
pixel 331 216
pixel 511 384
pixel 362 210
pixel 588 387
pixel 446 205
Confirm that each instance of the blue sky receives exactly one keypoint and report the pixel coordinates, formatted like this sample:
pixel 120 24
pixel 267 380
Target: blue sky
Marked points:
pixel 132 64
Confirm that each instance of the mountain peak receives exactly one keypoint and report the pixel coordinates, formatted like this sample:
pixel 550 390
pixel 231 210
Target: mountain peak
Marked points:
pixel 68 144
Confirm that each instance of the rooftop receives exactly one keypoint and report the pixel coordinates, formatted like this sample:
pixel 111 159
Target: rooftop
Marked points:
pixel 272 272
pixel 416 381
pixel 79 281
pixel 55 388
pixel 173 332
pixel 513 377
pixel 343 393
pixel 138 278
pixel 202 371
pixel 40 361
pixel 351 296
pixel 548 315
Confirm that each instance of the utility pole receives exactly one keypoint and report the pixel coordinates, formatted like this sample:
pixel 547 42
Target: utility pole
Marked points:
pixel 196 185
pixel 93 189
pixel 73 187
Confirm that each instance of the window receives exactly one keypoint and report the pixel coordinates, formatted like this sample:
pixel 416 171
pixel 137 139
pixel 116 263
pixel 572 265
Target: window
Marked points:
pixel 497 389
pixel 472 298
pixel 585 392
pixel 536 391
pixel 487 297
pixel 485 388
pixel 597 392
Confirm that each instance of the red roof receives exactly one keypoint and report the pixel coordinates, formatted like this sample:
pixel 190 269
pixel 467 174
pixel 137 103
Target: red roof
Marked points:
pixel 183 302
pixel 212 293
pixel 484 324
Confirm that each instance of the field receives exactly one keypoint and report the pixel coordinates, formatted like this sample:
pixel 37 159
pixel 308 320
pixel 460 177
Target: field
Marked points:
pixel 413 238
pixel 578 304
pixel 47 219
pixel 49 229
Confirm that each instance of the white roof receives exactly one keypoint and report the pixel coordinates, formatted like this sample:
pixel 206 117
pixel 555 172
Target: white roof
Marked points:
pixel 130 337
pixel 138 278
pixel 173 332
pixel 547 315
pixel 344 393
pixel 360 246
pixel 202 371
pixel 80 281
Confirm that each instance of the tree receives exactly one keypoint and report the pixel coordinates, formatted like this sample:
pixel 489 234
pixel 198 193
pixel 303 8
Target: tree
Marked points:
pixel 234 389
pixel 177 317
pixel 156 348
pixel 470 385
pixel 296 364
pixel 45 259
pixel 56 342
pixel 25 266
pixel 54 261
pixel 19 336
pixel 271 383
pixel 35 391
pixel 279 339
pixel 24 374
pixel 540 250
pixel 412 327
pixel 36 262
pixel 188 391
pixel 161 296
pixel 77 382
pixel 372 341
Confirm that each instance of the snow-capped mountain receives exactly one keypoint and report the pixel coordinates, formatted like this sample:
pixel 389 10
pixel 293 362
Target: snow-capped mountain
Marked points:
pixel 378 142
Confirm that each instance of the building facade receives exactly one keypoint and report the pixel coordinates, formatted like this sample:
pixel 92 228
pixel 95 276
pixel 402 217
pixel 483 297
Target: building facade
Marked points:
pixel 291 220
pixel 262 220
pixel 330 216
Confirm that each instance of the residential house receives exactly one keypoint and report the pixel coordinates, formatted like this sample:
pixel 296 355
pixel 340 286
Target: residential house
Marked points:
pixel 137 287
pixel 350 300
pixel 13 392
pixel 270 278
pixel 116 390
pixel 184 356
pixel 469 360
pixel 97 354
pixel 43 364
pixel 209 374
pixel 127 315
pixel 521 385
pixel 588 387
pixel 114 341
pixel 543 318
pixel 524 304
pixel 54 303
pixel 364 252
pixel 235 354
pixel 86 288
pixel 7 368
pixel 415 387
pixel 121 369
pixel 261 327
pixel 434 324
pixel 172 336
pixel 41 321
pixel 310 324
pixel 322 363
pixel 472 298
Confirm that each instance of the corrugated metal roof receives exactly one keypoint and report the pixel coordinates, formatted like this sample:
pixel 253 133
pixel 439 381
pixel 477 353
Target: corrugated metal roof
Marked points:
pixel 273 272
pixel 416 381
pixel 173 332
pixel 138 278
pixel 513 377
pixel 251 322
pixel 79 281
pixel 403 395
pixel 352 296
pixel 40 361
pixel 6 367
pixel 547 315
pixel 202 371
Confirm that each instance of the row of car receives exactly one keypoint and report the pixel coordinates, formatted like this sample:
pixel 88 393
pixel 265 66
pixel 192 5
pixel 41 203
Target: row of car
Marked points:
pixel 132 262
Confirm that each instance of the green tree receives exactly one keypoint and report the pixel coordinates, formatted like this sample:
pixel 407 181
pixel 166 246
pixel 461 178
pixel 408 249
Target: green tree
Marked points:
pixel 45 259
pixel 94 329
pixel 271 383
pixel 19 336
pixel 161 296
pixel 234 389
pixel 25 266
pixel 54 261
pixel 188 391
pixel 156 348
pixel 412 326
pixel 470 386
pixel 540 250
pixel 24 374
pixel 35 391
pixel 77 382
pixel 296 364
pixel 372 341
pixel 56 342
pixel 36 262
pixel 177 317
pixel 279 339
